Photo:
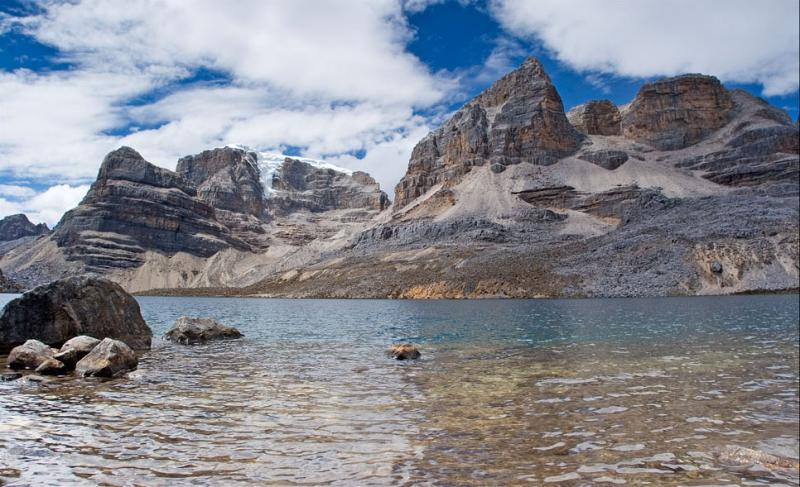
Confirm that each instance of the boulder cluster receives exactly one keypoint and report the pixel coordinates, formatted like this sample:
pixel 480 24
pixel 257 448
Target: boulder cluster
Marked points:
pixel 87 356
pixel 53 329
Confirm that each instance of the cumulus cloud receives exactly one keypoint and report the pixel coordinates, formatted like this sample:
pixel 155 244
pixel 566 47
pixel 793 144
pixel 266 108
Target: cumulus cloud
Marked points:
pixel 290 79
pixel 46 206
pixel 735 40
pixel 16 191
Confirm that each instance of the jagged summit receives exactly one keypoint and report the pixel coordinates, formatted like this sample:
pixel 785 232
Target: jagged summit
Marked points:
pixel 18 226
pixel 520 118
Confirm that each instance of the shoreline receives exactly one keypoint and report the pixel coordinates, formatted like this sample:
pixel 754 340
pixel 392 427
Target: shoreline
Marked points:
pixel 230 293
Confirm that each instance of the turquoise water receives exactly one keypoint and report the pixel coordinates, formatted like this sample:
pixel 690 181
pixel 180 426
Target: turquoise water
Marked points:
pixel 527 392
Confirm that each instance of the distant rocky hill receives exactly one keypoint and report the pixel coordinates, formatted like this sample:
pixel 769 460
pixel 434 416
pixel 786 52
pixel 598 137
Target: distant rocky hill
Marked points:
pixel 690 188
pixel 18 226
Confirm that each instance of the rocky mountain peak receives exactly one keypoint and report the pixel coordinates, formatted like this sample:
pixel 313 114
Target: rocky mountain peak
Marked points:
pixel 519 118
pixel 301 185
pixel 677 112
pixel 226 178
pixel 17 226
pixel 126 164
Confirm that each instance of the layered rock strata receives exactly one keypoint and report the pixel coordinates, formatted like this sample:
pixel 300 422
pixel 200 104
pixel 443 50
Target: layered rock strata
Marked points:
pixel 134 206
pixel 298 185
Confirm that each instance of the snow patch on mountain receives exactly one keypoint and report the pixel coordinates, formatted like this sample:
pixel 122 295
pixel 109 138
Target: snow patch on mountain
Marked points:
pixel 269 162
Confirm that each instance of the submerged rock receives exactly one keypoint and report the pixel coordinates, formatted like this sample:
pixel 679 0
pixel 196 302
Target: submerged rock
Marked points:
pixel 188 330
pixel 82 345
pixel 747 456
pixel 404 351
pixel 29 355
pixel 9 376
pixel 110 358
pixel 63 309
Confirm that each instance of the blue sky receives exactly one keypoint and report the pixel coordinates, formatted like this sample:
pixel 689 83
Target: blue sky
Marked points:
pixel 355 82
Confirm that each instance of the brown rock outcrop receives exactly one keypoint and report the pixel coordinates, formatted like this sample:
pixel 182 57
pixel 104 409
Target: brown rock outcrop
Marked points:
pixel 674 113
pixel 596 117
pixel 519 118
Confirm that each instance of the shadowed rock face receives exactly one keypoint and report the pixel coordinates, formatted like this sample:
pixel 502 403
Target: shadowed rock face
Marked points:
pixel 298 185
pixel 674 113
pixel 520 118
pixel 596 117
pixel 226 178
pixel 133 207
pixel 13 227
pixel 66 308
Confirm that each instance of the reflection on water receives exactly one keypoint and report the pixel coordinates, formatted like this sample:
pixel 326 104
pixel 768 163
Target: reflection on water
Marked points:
pixel 564 392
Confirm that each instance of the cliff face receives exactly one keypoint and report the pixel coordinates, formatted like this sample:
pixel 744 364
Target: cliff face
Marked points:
pixel 519 119
pixel 133 207
pixel 14 227
pixel 226 179
pixel 596 117
pixel 298 185
pixel 674 113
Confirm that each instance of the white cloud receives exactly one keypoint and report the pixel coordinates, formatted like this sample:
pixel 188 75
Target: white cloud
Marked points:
pixel 332 82
pixel 347 49
pixel 16 191
pixel 735 40
pixel 46 206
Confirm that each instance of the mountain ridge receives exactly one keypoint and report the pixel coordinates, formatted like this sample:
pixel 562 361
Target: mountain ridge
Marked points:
pixel 689 189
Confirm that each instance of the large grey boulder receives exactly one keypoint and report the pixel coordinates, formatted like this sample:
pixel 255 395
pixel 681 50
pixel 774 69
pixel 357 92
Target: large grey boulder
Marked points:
pixel 29 355
pixel 110 358
pixel 188 330
pixel 81 305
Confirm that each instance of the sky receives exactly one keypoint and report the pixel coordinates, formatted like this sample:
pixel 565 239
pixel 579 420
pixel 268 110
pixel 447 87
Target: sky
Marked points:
pixel 354 82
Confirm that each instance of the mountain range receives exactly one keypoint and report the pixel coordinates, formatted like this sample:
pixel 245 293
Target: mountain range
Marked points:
pixel 691 188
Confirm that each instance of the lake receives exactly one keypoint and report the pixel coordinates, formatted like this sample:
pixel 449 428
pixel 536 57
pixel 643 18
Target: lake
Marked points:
pixel 529 392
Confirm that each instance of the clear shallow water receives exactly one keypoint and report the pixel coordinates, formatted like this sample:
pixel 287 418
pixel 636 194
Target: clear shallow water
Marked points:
pixel 563 392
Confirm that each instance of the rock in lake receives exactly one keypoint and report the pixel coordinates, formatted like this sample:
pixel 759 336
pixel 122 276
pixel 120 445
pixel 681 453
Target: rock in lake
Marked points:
pixel 29 355
pixel 80 305
pixel 110 358
pixel 404 351
pixel 52 366
pixel 188 330
pixel 69 357
pixel 82 345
